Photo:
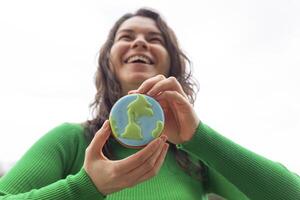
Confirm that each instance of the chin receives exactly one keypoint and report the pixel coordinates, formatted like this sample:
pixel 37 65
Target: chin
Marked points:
pixel 139 77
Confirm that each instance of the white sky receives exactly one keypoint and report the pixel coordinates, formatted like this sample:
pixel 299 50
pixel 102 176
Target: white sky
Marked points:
pixel 245 55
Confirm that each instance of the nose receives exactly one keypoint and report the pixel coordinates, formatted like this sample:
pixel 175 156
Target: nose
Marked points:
pixel 140 42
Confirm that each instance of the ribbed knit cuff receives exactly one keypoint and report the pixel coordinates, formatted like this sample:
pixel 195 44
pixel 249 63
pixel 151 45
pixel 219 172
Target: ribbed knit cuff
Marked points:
pixel 87 187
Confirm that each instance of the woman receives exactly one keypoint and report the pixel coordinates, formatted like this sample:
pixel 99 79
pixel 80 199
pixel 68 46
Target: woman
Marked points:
pixel 190 160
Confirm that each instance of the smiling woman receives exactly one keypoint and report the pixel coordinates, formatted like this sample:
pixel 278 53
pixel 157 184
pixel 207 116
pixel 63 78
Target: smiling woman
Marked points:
pixel 188 161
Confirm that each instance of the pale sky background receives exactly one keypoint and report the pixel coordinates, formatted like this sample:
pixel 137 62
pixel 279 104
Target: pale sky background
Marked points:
pixel 245 55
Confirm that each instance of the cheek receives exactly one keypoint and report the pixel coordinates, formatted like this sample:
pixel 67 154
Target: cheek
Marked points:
pixel 114 58
pixel 113 55
pixel 117 52
pixel 163 56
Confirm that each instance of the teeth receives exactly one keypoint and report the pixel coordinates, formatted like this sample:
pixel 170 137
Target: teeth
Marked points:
pixel 135 58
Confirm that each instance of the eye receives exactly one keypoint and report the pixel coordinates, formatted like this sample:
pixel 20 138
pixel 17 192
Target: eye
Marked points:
pixel 156 40
pixel 125 37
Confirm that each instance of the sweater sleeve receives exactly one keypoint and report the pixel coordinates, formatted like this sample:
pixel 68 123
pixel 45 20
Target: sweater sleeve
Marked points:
pixel 51 169
pixel 234 168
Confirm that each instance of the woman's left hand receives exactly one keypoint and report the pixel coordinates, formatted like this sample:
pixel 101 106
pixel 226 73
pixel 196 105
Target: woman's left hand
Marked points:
pixel 181 120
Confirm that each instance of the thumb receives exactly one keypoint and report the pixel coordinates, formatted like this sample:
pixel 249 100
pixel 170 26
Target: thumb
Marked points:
pixel 100 138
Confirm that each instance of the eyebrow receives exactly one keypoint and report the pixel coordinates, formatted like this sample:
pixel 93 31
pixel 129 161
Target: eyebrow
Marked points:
pixel 131 31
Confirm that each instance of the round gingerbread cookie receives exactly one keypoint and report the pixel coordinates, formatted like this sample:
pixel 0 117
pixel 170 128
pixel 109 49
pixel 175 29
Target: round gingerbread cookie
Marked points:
pixel 136 120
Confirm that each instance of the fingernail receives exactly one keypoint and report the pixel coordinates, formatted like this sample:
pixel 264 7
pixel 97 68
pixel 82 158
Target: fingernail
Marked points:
pixel 164 138
pixel 159 141
pixel 133 91
pixel 150 93
pixel 105 124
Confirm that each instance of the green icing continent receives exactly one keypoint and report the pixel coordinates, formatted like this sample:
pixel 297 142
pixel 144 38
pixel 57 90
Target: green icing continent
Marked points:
pixel 137 108
pixel 158 129
pixel 133 131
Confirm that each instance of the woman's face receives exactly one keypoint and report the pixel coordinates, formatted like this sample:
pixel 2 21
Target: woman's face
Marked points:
pixel 138 53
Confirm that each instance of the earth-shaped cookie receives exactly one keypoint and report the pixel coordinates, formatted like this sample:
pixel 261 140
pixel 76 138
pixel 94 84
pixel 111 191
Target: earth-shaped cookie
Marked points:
pixel 136 120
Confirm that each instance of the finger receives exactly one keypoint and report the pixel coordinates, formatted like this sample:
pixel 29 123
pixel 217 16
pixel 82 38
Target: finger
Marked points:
pixel 170 83
pixel 138 158
pixel 148 164
pixel 156 167
pixel 133 92
pixel 164 105
pixel 148 84
pixel 100 138
pixel 131 162
pixel 182 111
pixel 173 97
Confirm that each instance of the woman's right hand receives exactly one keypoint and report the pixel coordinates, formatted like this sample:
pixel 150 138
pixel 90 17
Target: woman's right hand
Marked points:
pixel 114 175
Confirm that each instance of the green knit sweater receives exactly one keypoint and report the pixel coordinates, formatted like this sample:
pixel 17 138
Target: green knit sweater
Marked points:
pixel 52 169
